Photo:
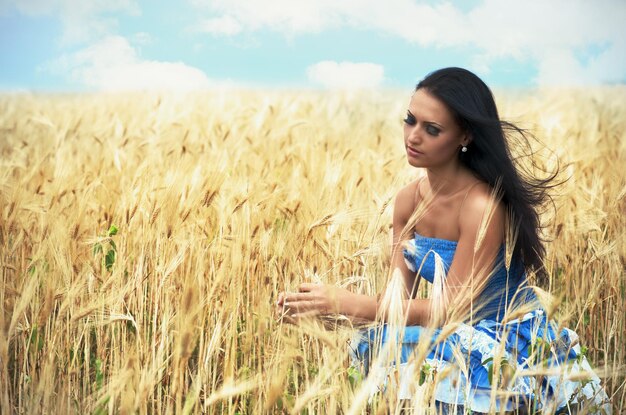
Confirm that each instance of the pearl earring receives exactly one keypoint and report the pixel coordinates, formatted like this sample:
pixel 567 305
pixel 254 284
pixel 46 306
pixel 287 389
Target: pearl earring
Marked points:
pixel 464 149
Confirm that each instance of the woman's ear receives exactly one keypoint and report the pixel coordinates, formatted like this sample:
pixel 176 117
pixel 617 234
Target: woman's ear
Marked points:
pixel 467 139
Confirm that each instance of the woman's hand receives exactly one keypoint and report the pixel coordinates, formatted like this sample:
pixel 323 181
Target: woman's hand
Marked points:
pixel 312 300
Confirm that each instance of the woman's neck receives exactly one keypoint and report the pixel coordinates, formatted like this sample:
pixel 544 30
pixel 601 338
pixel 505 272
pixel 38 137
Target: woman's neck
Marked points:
pixel 447 180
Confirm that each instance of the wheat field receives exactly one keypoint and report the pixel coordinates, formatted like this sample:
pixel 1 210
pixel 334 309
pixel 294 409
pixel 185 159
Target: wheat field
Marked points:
pixel 144 239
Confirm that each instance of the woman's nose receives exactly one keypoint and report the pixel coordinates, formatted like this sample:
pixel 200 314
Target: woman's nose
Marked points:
pixel 414 134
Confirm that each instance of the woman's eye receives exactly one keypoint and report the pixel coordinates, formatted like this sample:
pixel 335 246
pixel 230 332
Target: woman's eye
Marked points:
pixel 409 120
pixel 432 130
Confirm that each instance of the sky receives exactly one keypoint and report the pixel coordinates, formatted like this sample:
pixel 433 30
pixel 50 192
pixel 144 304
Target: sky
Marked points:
pixel 119 45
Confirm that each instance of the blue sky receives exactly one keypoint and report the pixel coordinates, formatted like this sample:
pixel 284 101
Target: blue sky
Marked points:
pixel 103 45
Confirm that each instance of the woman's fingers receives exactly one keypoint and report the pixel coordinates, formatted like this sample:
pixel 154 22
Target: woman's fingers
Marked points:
pixel 308 301
pixel 281 299
pixel 300 306
pixel 307 286
pixel 298 317
pixel 305 314
pixel 293 297
pixel 295 312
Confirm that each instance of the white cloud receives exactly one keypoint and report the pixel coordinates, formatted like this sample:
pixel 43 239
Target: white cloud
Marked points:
pixel 224 25
pixel 546 33
pixel 112 64
pixel 291 16
pixel 142 38
pixel 82 20
pixel 346 75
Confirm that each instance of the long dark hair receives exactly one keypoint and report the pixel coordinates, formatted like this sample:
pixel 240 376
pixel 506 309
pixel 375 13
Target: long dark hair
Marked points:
pixel 472 104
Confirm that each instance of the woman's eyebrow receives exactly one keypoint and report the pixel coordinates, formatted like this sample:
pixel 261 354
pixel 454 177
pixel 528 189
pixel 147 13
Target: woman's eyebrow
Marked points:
pixel 429 122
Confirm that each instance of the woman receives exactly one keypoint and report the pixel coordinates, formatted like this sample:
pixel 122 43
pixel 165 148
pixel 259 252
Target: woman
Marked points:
pixel 470 225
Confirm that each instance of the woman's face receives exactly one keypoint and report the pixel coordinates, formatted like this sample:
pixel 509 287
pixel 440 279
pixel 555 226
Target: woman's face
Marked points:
pixel 432 137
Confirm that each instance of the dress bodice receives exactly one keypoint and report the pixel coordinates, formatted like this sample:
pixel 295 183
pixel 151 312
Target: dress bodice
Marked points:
pixel 498 295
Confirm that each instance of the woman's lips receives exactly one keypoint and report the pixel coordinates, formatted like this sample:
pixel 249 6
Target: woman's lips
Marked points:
pixel 413 153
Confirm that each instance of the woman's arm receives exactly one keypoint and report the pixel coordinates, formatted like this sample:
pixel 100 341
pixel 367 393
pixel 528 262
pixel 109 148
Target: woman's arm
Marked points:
pixel 403 208
pixel 319 299
pixel 315 299
pixel 481 234
pixel 417 310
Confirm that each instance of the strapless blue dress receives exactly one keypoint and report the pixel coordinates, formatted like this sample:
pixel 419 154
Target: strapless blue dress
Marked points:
pixel 530 342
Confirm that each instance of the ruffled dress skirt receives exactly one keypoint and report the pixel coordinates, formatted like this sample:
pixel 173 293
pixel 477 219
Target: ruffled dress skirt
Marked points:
pixel 523 365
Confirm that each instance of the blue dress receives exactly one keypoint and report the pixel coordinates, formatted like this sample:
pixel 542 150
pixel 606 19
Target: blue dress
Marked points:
pixel 466 355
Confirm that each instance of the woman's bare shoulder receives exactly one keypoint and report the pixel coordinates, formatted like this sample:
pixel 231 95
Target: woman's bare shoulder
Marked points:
pixel 406 200
pixel 482 204
pixel 480 196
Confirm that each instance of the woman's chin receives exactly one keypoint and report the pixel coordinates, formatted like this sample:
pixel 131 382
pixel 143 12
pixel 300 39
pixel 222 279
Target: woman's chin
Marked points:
pixel 415 163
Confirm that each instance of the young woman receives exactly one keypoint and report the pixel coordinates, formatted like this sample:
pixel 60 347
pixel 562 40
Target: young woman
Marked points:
pixel 470 225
